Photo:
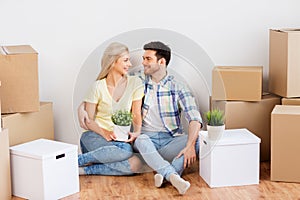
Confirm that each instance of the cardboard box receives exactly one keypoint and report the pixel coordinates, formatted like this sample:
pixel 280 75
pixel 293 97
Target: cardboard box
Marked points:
pixel 19 77
pixel 5 180
pixel 231 161
pixel 237 83
pixel 290 101
pixel 44 169
pixel 285 148
pixel 25 127
pixel 0 109
pixel 284 62
pixel 255 116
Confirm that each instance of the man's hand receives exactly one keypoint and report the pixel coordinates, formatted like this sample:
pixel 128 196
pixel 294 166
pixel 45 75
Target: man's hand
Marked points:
pixel 83 117
pixel 189 154
pixel 133 136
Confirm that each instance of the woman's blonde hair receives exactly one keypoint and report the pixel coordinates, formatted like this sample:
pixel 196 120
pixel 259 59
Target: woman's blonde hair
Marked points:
pixel 111 54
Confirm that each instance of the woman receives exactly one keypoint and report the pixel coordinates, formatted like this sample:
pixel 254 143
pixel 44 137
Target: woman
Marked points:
pixel 113 90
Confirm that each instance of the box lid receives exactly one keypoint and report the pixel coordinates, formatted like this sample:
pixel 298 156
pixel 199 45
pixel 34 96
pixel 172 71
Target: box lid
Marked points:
pixel 20 49
pixel 235 137
pixel 286 109
pixel 42 149
pixel 239 68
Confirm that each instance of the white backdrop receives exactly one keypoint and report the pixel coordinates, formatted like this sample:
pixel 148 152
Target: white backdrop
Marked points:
pixel 66 32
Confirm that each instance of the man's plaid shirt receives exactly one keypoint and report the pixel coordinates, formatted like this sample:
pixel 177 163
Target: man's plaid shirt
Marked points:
pixel 172 98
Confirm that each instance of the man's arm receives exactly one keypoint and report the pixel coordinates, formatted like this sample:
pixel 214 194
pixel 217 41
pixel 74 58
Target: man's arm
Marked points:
pixel 83 117
pixel 189 151
pixel 188 103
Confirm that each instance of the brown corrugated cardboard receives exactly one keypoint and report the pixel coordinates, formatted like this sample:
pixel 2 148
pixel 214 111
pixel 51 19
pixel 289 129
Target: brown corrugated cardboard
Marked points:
pixel 290 101
pixel 284 62
pixel 255 116
pixel 19 77
pixel 237 83
pixel 0 108
pixel 25 127
pixel 5 180
pixel 285 148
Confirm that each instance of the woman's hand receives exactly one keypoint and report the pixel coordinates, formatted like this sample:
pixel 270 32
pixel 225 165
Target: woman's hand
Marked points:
pixel 108 135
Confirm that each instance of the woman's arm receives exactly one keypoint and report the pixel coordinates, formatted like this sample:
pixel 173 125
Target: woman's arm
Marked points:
pixel 137 119
pixel 93 126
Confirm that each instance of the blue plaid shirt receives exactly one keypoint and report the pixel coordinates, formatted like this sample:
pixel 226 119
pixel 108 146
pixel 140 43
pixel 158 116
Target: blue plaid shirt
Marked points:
pixel 172 98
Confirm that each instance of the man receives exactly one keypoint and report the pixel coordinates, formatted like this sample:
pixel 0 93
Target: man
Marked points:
pixel 164 100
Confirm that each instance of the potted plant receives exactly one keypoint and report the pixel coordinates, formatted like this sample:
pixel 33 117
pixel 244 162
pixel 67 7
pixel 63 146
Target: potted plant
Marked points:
pixel 215 123
pixel 122 120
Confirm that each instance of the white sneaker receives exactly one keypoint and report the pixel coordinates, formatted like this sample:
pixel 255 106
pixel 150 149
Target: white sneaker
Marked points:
pixel 158 180
pixel 179 183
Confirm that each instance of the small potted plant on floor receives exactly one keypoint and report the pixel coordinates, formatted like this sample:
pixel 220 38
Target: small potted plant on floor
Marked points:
pixel 215 123
pixel 122 120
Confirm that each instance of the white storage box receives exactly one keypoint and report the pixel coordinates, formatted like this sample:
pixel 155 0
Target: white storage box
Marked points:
pixel 44 169
pixel 231 161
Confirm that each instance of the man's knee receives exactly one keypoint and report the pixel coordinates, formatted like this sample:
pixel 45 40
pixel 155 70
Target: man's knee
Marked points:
pixel 141 140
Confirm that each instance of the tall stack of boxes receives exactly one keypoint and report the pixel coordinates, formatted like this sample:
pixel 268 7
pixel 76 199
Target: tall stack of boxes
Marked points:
pixel 238 92
pixel 24 118
pixel 284 73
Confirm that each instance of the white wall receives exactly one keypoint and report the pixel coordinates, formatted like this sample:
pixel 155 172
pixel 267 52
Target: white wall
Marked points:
pixel 65 32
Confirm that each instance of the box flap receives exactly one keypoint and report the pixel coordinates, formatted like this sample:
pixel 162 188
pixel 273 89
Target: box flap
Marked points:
pixel 234 137
pixel 238 68
pixel 287 30
pixel 2 52
pixel 20 49
pixel 42 149
pixel 286 110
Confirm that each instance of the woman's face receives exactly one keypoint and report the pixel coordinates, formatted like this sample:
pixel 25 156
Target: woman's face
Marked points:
pixel 122 64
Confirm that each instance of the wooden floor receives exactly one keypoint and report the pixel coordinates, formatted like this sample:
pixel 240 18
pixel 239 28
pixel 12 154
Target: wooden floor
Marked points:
pixel 141 186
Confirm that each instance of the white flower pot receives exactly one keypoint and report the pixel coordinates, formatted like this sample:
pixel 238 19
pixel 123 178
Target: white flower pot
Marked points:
pixel 121 132
pixel 215 132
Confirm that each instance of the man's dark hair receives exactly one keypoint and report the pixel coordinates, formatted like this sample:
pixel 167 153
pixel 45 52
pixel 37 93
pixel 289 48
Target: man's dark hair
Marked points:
pixel 162 50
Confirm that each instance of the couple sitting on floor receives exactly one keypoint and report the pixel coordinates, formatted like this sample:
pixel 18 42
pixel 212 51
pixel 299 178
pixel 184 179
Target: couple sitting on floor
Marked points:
pixel 155 100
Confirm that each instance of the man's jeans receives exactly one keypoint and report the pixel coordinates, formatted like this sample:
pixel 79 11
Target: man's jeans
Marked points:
pixel 100 156
pixel 160 150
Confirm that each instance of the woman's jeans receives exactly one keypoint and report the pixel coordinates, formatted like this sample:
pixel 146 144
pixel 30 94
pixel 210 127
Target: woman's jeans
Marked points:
pixel 160 150
pixel 100 156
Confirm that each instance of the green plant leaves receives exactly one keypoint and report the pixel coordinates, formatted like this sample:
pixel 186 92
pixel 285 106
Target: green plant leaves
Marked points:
pixel 215 117
pixel 122 118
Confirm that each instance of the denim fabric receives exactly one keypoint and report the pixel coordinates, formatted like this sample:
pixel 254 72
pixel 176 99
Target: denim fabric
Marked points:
pixel 104 157
pixel 113 169
pixel 159 150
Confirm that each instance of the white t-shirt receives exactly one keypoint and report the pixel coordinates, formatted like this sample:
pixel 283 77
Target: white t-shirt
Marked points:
pixel 152 121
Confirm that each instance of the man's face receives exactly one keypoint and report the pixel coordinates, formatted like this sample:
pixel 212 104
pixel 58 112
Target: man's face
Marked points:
pixel 150 62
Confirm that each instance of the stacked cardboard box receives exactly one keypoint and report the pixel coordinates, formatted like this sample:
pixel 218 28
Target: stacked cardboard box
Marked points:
pixel 237 83
pixel 255 116
pixel 26 118
pixel 284 73
pixel 284 62
pixel 285 148
pixel 19 77
pixel 290 101
pixel 23 116
pixel 5 180
pixel 238 92
pixel 25 127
